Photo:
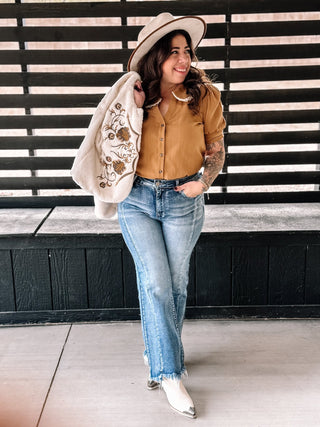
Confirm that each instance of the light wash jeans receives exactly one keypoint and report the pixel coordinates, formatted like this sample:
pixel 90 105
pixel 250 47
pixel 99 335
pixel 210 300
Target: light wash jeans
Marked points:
pixel 161 227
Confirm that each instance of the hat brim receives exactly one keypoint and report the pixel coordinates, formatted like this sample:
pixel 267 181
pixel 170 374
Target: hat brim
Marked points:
pixel 194 25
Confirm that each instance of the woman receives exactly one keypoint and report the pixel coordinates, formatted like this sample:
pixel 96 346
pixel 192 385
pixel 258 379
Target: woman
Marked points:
pixel 162 217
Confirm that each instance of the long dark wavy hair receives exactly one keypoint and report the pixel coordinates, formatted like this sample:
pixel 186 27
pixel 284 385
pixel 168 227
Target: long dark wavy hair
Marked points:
pixel 150 70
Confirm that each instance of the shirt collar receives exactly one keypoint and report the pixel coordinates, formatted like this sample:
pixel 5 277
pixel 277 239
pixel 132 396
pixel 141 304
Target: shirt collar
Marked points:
pixel 180 94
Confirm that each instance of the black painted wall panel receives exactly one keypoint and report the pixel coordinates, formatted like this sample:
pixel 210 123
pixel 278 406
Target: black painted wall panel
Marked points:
pixel 105 283
pixel 32 279
pixel 69 284
pixel 213 276
pixel 250 275
pixel 7 302
pixel 228 277
pixel 287 274
pixel 313 275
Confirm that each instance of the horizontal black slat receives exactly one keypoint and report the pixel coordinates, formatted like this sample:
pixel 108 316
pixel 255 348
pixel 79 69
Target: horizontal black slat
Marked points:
pixel 50 101
pixel 267 178
pixel 233 118
pixel 44 201
pixel 272 6
pixel 240 75
pixel 257 159
pixel 272 29
pixel 231 139
pixel 65 56
pixel 90 56
pixel 273 138
pixel 121 56
pixel 268 96
pixel 39 142
pixel 146 8
pixel 66 34
pixel 125 33
pixel 234 179
pixel 42 122
pixel 100 33
pixel 59 79
pixel 35 163
pixel 216 198
pixel 233 159
pixel 34 183
pixel 232 75
pixel 112 9
pixel 272 117
pixel 259 52
pixel 284 51
pixel 262 197
pixel 92 100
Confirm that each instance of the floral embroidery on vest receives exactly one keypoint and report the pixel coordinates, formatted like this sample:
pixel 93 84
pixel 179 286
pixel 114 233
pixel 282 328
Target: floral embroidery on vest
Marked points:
pixel 118 150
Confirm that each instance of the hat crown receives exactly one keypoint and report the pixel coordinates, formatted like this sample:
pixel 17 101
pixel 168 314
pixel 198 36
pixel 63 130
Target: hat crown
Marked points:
pixel 162 25
pixel 157 22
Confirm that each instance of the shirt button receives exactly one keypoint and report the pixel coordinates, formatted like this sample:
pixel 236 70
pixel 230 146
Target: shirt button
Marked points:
pixel 161 154
pixel 160 171
pixel 162 125
pixel 161 139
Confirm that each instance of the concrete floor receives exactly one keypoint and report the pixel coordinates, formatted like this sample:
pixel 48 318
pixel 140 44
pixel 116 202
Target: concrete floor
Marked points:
pixel 241 373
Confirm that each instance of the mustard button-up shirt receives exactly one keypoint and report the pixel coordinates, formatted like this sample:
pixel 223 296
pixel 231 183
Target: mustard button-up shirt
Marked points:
pixel 173 146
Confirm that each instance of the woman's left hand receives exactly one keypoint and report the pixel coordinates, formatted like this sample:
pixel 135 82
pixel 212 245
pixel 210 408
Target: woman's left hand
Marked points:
pixel 191 189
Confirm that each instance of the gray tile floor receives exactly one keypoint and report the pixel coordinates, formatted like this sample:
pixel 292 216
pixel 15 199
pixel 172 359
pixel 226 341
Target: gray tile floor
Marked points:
pixel 241 373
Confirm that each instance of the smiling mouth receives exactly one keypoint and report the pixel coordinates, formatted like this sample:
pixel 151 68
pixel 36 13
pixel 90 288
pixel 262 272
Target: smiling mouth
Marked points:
pixel 181 70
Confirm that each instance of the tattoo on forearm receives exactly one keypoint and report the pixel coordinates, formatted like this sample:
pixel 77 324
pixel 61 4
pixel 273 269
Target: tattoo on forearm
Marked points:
pixel 214 159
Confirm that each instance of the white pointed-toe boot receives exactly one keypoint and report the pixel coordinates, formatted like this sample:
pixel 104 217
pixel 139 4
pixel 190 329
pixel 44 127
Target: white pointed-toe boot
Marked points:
pixel 178 397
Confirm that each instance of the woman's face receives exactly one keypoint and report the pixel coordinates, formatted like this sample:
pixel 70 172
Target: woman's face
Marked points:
pixel 176 67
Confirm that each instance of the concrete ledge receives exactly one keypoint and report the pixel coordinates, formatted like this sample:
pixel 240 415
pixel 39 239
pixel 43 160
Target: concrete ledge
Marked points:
pixel 20 222
pixel 80 220
pixel 264 217
pixel 219 219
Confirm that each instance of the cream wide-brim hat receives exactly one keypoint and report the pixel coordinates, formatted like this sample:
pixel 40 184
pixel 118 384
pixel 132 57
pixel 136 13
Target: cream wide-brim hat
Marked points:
pixel 161 25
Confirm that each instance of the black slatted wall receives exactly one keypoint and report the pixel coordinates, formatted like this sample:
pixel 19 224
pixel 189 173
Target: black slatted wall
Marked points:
pixel 58 59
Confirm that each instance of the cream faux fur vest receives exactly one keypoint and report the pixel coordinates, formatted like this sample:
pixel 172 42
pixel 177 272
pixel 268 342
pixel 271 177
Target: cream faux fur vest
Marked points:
pixel 106 161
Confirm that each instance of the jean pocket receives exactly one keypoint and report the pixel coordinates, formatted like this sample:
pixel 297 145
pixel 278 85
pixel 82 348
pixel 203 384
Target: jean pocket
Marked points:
pixel 183 194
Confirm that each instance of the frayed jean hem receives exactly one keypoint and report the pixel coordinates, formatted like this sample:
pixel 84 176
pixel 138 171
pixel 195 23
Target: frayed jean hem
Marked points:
pixel 174 376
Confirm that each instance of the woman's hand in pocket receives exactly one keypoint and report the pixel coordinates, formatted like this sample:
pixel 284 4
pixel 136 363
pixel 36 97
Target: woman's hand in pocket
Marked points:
pixel 191 189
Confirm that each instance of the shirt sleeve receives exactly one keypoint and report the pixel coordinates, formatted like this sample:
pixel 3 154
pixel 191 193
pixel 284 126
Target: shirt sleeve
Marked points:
pixel 212 114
